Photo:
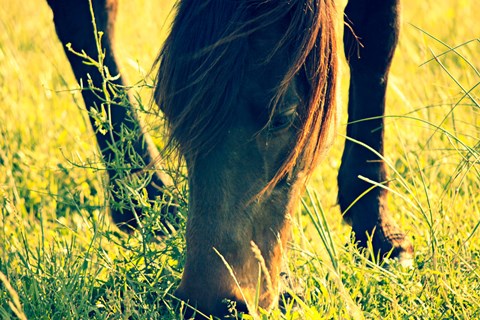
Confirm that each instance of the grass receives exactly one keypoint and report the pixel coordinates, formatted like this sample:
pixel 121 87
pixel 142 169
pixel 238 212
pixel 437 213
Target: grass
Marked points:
pixel 60 257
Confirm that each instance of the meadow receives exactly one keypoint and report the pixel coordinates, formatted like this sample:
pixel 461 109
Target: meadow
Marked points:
pixel 62 258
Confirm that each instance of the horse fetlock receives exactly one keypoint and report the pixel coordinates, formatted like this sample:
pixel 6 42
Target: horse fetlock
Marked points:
pixel 364 207
pixel 386 240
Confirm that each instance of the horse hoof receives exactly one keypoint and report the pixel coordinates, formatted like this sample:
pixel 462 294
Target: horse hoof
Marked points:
pixel 405 259
pixel 402 250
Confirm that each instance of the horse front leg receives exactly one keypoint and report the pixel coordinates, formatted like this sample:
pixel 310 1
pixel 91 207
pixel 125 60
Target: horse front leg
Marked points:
pixel 73 24
pixel 370 38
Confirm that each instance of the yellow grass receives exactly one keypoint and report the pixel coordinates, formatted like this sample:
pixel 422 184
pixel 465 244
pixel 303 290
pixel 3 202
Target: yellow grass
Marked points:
pixel 65 260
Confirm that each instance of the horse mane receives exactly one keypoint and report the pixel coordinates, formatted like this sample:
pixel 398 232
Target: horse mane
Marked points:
pixel 202 63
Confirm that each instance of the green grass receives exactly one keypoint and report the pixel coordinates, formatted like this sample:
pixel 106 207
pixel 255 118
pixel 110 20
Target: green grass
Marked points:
pixel 62 259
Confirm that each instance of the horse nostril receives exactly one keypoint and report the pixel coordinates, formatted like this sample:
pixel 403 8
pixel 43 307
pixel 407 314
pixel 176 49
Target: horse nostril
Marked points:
pixel 233 308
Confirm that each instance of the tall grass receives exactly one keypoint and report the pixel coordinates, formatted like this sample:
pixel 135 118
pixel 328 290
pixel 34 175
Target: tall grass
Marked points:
pixel 61 258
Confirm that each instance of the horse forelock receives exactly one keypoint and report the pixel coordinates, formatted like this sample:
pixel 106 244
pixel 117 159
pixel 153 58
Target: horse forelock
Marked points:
pixel 315 54
pixel 201 67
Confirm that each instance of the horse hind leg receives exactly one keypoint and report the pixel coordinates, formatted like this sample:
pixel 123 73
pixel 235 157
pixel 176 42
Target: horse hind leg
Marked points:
pixel 73 24
pixel 370 38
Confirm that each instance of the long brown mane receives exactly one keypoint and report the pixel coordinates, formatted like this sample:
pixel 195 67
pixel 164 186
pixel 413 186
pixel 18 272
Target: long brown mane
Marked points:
pixel 202 62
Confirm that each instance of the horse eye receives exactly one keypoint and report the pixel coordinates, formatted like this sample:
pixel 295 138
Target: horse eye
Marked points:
pixel 282 120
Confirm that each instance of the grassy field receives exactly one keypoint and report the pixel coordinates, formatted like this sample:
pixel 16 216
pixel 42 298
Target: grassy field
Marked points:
pixel 61 258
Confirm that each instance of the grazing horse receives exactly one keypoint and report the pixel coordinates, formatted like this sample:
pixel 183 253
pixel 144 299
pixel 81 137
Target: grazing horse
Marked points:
pixel 249 91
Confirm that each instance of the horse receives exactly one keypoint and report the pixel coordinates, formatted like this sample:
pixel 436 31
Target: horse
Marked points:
pixel 249 91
